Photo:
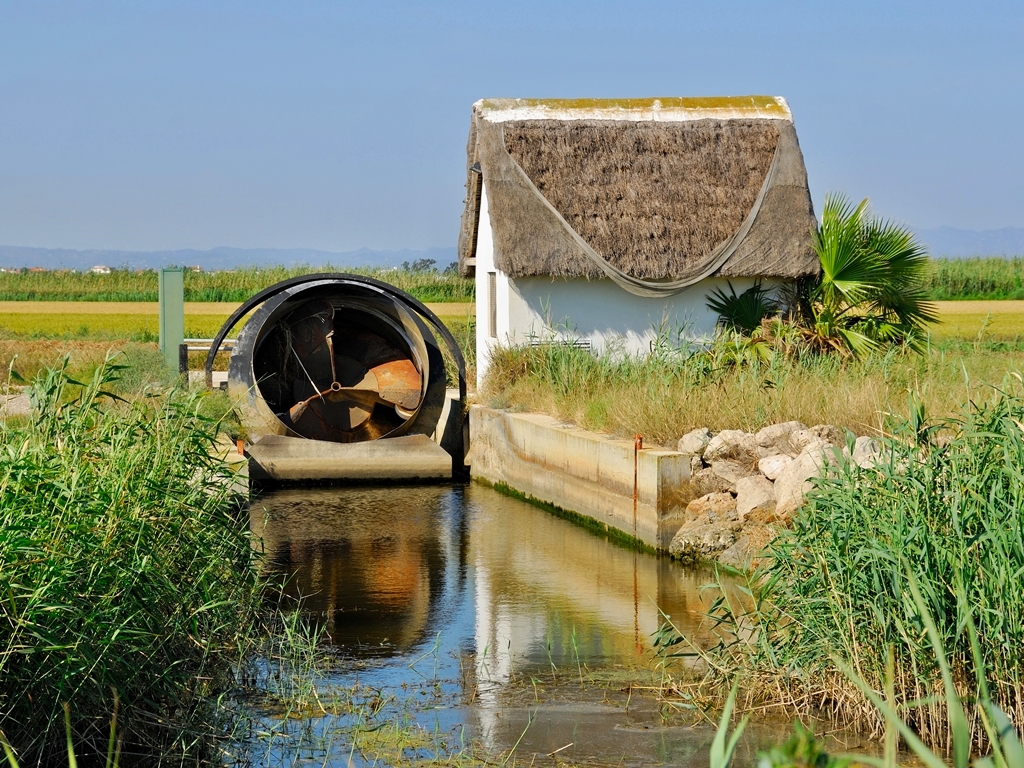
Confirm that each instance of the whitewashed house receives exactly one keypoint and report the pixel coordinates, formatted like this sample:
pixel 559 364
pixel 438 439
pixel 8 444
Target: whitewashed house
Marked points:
pixel 608 221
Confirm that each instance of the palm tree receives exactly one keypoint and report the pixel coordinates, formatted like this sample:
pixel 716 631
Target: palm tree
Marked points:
pixel 871 289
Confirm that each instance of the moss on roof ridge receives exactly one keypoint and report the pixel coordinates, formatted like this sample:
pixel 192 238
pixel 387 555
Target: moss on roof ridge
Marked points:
pixel 756 102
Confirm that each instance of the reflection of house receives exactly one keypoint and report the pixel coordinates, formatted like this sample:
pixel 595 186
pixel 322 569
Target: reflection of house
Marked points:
pixel 551 595
pixel 546 590
pixel 611 220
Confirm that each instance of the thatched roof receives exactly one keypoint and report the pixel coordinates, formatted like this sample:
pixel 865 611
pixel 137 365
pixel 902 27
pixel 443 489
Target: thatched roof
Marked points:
pixel 640 190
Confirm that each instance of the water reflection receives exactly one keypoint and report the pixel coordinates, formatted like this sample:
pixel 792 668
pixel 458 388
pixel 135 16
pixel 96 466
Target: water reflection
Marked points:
pixel 389 568
pixel 462 591
pixel 373 563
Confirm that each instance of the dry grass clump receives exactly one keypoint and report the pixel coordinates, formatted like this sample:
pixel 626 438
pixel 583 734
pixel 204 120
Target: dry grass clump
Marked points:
pixel 666 394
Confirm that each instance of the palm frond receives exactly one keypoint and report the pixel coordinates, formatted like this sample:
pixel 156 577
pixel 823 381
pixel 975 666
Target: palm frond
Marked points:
pixel 744 312
pixel 871 289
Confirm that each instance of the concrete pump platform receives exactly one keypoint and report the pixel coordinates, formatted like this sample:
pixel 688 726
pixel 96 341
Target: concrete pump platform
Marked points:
pixel 280 459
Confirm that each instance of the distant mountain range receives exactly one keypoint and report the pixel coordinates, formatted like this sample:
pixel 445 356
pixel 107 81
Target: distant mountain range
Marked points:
pixel 942 242
pixel 215 258
pixel 959 243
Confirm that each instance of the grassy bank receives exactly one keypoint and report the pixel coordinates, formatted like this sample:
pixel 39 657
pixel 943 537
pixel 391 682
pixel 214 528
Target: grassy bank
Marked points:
pixel 231 286
pixel 942 514
pixel 125 570
pixel 667 394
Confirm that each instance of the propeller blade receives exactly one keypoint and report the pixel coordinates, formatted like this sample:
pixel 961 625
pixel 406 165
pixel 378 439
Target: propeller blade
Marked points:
pixel 399 383
pixel 296 411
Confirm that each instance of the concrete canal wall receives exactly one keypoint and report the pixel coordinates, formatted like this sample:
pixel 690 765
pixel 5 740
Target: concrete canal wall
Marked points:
pixel 581 472
pixel 720 497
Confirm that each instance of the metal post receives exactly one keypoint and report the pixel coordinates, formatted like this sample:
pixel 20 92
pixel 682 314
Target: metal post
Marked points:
pixel 183 358
pixel 172 314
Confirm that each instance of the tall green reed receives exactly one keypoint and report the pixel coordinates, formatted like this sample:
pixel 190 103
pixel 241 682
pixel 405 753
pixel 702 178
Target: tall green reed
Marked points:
pixel 942 517
pixel 231 286
pixel 125 568
pixel 980 277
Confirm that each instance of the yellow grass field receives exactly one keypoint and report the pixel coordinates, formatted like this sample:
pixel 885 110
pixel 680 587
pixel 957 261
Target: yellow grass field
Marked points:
pixel 980 320
pixel 966 320
pixel 138 321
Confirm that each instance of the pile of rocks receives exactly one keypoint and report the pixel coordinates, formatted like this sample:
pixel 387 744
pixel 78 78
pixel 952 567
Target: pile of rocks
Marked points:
pixel 744 485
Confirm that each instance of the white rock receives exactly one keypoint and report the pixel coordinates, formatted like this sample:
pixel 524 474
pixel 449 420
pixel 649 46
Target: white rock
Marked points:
pixel 830 434
pixel 803 439
pixel 700 540
pixel 711 507
pixel 772 466
pixel 866 452
pixel 731 444
pixel 732 471
pixel 695 442
pixel 794 481
pixel 774 438
pixel 753 492
pixel 710 527
pixel 703 482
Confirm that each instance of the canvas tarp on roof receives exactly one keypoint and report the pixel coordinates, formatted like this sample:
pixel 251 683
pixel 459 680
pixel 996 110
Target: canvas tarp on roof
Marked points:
pixel 655 194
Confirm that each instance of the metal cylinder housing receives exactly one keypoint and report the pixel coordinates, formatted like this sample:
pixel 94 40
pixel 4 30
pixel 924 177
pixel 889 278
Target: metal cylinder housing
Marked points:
pixel 340 358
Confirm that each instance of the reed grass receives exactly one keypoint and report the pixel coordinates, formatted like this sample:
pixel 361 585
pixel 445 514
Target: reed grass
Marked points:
pixel 905 577
pixel 666 394
pixel 980 277
pixel 231 286
pixel 125 572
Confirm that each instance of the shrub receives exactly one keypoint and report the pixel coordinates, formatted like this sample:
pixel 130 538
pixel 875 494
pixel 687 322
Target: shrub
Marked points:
pixel 744 312
pixel 124 571
pixel 872 285
pixel 945 512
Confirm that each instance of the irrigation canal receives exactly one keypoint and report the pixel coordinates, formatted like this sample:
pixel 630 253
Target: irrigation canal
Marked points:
pixel 477 616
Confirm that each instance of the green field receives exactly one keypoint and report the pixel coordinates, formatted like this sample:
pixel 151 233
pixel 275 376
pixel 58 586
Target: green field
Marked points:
pixel 228 286
pixel 982 277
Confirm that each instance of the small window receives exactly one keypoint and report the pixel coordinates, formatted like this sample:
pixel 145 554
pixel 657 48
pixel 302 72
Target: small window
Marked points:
pixel 492 304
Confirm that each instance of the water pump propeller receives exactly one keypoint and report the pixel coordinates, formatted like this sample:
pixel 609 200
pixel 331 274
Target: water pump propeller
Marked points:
pixel 339 358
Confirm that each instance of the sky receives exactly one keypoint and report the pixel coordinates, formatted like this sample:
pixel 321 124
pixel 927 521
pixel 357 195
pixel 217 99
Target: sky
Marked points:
pixel 343 125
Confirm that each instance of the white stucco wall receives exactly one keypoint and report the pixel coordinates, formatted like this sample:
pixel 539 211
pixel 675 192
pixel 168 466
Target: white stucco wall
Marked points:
pixel 608 316
pixel 598 311
pixel 485 266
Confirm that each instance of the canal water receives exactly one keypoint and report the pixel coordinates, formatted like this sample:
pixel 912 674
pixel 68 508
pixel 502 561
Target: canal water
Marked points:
pixel 478 618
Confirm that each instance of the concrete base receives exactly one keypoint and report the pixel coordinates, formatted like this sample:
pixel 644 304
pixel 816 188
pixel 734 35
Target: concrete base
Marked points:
pixel 280 459
pixel 582 472
pixel 452 432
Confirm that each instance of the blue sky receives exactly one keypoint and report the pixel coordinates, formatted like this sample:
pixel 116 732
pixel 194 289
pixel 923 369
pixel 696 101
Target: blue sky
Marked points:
pixel 152 125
